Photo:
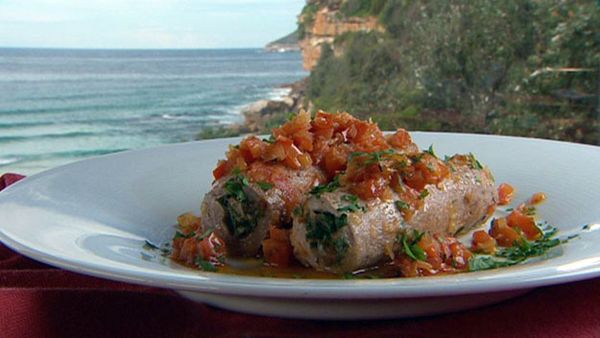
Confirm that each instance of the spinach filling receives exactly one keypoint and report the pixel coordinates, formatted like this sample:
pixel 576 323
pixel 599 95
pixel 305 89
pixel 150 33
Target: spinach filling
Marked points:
pixel 321 227
pixel 241 213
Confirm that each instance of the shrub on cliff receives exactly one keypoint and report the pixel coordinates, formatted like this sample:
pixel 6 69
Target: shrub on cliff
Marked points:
pixel 520 67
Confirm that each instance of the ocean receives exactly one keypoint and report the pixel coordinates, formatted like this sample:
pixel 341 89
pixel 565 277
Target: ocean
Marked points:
pixel 58 106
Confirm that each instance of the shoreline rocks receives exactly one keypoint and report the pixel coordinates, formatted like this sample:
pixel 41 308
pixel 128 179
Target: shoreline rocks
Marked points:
pixel 258 115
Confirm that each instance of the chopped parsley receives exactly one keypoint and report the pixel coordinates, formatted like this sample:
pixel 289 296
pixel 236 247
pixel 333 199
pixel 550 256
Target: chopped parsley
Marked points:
pixel 205 235
pixel 205 265
pixel 179 234
pixel 264 185
pixel 519 252
pixel 241 214
pixel 354 204
pixel 329 187
pixel 424 194
pixel 320 231
pixel 340 246
pixel 370 158
pixel 431 151
pixel 271 139
pixel 410 245
pixel 401 205
pixel 475 164
pixel 234 187
pixel 298 211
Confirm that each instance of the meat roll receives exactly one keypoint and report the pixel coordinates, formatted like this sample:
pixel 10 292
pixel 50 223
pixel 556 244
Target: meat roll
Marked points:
pixel 337 232
pixel 242 206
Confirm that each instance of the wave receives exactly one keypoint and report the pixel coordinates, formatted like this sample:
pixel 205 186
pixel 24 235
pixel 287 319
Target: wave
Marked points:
pixel 24 124
pixel 45 136
pixel 8 160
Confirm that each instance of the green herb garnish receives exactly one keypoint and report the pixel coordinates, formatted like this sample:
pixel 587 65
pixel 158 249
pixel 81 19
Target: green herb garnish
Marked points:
pixel 349 275
pixel 264 185
pixel 519 252
pixel 179 234
pixel 410 246
pixel 298 211
pixel 234 187
pixel 424 194
pixel 205 234
pixel 431 151
pixel 340 246
pixel 401 205
pixel 205 265
pixel 320 231
pixel 329 187
pixel 353 206
pixel 475 164
pixel 271 139
pixel 370 158
pixel 241 214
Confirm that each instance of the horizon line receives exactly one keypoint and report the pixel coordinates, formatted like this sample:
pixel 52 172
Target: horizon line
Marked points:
pixel 126 48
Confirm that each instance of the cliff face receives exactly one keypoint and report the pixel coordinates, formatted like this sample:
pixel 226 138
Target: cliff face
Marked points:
pixel 323 24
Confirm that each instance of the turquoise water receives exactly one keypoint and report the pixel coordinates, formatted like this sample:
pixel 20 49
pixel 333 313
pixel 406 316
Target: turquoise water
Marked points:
pixel 59 106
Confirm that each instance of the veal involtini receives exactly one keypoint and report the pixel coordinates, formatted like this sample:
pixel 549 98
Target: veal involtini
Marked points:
pixel 242 206
pixel 262 181
pixel 355 221
pixel 336 195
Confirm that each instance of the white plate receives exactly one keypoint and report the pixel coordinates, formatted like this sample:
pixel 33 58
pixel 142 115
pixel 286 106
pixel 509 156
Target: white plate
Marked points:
pixel 93 216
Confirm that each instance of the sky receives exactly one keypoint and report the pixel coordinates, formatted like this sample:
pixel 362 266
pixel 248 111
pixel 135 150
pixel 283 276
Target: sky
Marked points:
pixel 145 23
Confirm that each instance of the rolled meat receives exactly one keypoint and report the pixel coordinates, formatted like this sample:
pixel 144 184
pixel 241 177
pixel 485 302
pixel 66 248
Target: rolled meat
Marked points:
pixel 242 206
pixel 339 233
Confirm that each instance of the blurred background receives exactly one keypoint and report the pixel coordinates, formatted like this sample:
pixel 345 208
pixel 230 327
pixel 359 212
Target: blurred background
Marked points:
pixel 79 79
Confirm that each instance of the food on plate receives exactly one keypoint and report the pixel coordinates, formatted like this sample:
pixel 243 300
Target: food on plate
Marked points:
pixel 334 194
pixel 463 197
pixel 241 207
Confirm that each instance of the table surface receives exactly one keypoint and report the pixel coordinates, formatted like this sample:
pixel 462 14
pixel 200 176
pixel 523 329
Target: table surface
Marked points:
pixel 41 301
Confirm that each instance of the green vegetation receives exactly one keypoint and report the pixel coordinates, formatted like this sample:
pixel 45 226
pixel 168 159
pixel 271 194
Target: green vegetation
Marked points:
pixel 529 68
pixel 362 7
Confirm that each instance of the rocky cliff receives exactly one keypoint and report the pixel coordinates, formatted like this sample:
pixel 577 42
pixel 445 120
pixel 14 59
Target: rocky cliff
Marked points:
pixel 322 21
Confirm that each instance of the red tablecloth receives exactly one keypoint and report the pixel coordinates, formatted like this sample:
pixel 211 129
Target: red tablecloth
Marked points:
pixel 37 300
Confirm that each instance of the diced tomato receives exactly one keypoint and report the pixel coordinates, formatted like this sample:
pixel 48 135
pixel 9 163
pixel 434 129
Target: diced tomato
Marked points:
pixel 297 130
pixel 516 219
pixel 427 170
pixel 537 198
pixel 432 250
pixel 334 161
pixel 221 170
pixel 400 140
pixel 277 249
pixel 483 242
pixel 460 255
pixel 505 193
pixel 252 148
pixel 503 234
pixel 372 188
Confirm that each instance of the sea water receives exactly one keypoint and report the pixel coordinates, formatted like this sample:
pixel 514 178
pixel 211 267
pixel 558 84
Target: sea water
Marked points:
pixel 59 106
